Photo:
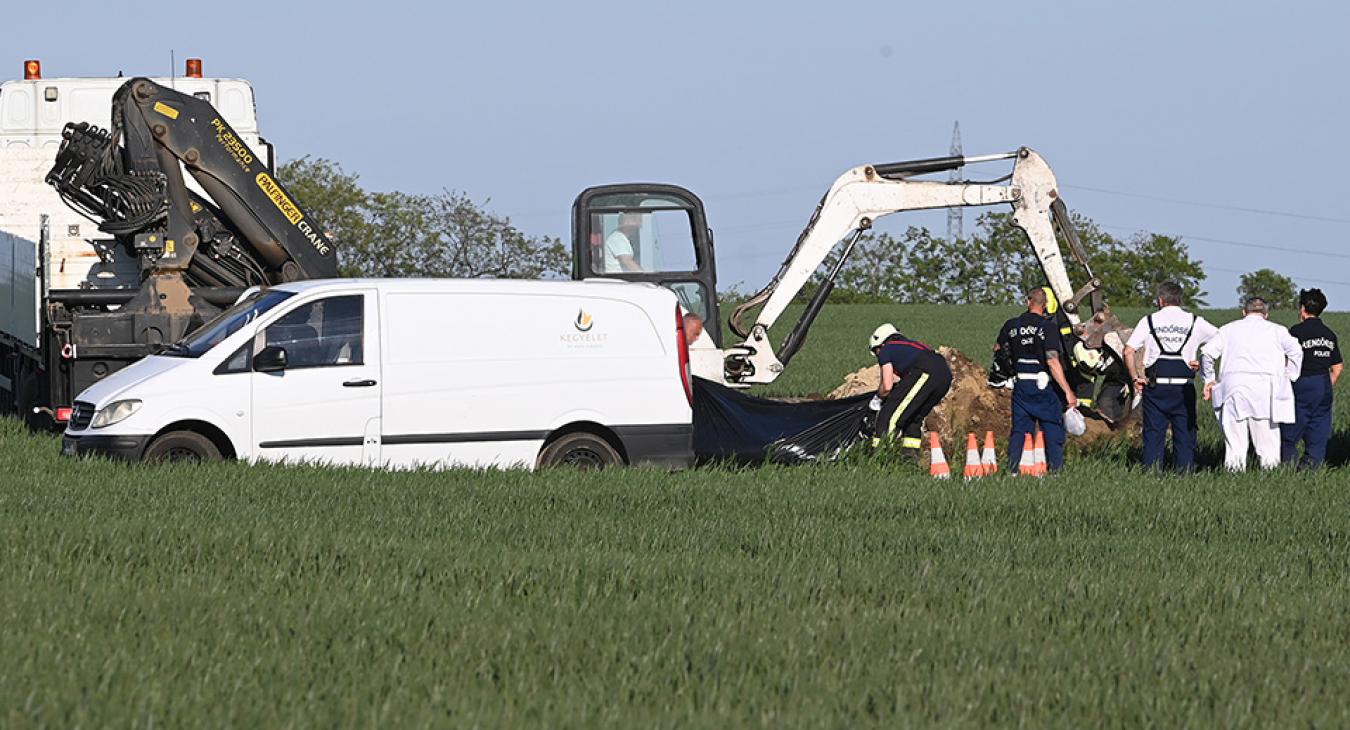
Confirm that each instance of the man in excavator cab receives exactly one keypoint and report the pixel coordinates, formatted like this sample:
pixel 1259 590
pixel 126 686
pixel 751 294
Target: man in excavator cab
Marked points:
pixel 617 253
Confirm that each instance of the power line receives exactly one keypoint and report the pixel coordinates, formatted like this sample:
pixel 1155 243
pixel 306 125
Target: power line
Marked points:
pixel 750 255
pixel 1243 244
pixel 770 192
pixel 1144 196
pixel 1295 277
pixel 767 225
pixel 1220 206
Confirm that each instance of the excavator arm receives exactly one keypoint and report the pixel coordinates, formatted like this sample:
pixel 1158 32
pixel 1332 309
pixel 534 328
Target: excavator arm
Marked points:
pixel 864 194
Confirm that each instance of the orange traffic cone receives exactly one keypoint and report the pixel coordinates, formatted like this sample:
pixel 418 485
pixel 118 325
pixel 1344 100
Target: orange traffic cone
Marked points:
pixel 974 467
pixel 937 468
pixel 1041 467
pixel 989 459
pixel 1026 466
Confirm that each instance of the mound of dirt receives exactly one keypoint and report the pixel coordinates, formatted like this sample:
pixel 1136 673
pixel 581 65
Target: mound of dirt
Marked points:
pixel 974 406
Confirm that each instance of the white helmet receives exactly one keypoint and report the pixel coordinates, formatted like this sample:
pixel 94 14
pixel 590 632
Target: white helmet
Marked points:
pixel 880 334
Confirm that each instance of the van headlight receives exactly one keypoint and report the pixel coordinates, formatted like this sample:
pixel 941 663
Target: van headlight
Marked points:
pixel 115 412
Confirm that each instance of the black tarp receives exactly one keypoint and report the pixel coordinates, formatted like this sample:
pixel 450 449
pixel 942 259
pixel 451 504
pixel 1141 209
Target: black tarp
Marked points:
pixel 732 425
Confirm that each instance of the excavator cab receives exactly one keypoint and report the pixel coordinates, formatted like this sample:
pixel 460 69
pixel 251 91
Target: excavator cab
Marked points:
pixel 648 232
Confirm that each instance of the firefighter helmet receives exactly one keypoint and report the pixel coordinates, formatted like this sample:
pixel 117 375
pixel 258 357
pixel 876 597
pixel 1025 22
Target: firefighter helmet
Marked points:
pixel 880 334
pixel 1051 301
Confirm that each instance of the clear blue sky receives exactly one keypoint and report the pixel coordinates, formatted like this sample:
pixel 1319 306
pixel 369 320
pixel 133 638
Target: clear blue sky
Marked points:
pixel 758 106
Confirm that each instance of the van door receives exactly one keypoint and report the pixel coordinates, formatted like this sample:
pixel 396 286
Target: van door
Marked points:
pixel 320 400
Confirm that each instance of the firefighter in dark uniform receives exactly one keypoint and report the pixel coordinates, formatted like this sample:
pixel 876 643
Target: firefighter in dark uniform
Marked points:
pixel 1079 382
pixel 1041 392
pixel 914 379
pixel 1322 366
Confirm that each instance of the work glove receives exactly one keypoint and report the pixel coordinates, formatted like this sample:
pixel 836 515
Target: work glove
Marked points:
pixel 875 403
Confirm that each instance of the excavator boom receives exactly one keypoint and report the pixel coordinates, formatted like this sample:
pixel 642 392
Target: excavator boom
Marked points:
pixel 861 196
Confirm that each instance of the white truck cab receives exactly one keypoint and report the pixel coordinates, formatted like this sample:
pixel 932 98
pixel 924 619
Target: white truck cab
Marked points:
pixel 411 373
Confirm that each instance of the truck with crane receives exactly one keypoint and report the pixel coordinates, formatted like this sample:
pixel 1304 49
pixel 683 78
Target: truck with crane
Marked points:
pixel 108 250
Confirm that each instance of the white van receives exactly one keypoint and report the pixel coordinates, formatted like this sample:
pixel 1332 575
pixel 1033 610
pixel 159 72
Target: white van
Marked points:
pixel 407 373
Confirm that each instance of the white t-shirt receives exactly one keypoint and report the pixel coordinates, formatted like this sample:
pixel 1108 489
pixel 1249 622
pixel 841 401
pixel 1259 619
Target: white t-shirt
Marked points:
pixel 616 245
pixel 1171 324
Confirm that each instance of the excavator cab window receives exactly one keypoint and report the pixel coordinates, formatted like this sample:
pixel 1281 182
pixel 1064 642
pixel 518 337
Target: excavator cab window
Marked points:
pixel 644 238
pixel 651 233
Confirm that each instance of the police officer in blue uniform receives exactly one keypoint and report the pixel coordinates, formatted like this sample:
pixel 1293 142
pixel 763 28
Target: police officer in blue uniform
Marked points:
pixel 1322 365
pixel 1041 392
pixel 914 379
pixel 1169 340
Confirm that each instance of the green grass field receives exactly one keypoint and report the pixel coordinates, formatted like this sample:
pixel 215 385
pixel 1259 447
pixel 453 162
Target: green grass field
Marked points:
pixel 851 594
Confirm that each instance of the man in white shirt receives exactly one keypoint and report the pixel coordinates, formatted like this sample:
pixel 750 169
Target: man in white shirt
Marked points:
pixel 618 249
pixel 1253 393
pixel 1169 339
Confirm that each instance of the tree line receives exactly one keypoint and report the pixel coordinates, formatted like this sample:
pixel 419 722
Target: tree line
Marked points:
pixel 996 265
pixel 398 234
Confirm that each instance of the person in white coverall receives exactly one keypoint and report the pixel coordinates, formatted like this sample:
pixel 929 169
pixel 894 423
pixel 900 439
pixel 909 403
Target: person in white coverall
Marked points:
pixel 1252 393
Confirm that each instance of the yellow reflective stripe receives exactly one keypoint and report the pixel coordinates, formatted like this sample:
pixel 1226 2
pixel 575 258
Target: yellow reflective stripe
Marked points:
pixel 1065 330
pixel 909 442
pixel 905 403
pixel 1085 402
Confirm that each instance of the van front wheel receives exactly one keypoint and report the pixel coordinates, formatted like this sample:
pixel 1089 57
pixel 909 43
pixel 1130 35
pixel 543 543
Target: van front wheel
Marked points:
pixel 182 446
pixel 580 450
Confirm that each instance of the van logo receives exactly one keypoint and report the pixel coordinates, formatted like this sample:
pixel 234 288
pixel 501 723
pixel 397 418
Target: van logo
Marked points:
pixel 583 321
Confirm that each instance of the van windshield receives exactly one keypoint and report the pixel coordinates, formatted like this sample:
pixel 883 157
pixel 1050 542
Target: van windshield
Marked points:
pixel 227 323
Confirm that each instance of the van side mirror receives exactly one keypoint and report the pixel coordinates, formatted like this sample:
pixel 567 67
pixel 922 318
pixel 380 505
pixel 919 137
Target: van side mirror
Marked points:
pixel 270 359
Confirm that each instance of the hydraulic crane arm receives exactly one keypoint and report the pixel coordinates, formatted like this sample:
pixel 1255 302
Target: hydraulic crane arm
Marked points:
pixel 138 190
pixel 862 195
